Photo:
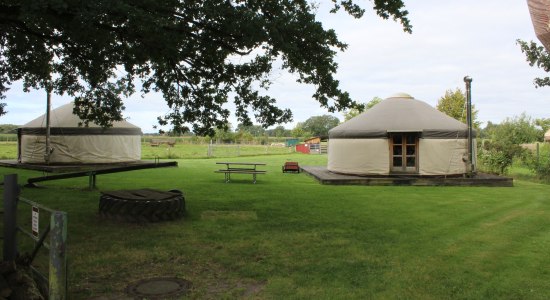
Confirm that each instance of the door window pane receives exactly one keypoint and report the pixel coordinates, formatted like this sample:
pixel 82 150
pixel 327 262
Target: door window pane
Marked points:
pixel 397 139
pixel 411 161
pixel 397 150
pixel 397 161
pixel 411 139
pixel 411 150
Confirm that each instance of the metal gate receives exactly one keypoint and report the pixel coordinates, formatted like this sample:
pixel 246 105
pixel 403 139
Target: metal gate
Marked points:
pixel 56 230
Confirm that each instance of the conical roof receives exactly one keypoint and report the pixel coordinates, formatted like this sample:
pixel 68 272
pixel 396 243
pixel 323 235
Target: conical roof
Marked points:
pixel 400 113
pixel 63 117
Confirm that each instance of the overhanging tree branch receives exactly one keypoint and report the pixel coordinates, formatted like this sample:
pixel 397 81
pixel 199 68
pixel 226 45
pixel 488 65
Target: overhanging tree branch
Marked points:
pixel 182 49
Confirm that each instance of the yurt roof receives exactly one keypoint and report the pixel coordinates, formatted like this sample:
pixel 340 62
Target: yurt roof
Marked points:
pixel 63 117
pixel 64 122
pixel 400 113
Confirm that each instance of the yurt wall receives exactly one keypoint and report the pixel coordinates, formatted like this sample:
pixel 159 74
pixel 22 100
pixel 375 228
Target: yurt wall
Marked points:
pixel 362 156
pixel 442 156
pixel 74 144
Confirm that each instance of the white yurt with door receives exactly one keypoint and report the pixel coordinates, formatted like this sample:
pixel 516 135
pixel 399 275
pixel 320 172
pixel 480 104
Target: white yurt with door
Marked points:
pixel 399 136
pixel 74 144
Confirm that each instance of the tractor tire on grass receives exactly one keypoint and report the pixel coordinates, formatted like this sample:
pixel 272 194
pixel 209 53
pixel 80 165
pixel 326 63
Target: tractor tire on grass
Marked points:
pixel 143 205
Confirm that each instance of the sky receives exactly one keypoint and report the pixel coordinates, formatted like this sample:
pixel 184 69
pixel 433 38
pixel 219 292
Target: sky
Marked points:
pixel 450 39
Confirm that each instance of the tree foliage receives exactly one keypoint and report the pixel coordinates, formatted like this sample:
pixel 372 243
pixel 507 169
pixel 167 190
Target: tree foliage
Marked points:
pixel 254 130
pixel 353 112
pixel 320 125
pixel 496 156
pixel 198 54
pixel 537 56
pixel 299 132
pixel 279 131
pixel 504 144
pixel 8 128
pixel 540 162
pixel 453 103
pixel 544 125
pixel 517 130
pixel 224 135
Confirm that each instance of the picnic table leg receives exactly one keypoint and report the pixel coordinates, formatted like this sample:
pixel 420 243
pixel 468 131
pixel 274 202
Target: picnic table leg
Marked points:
pixel 254 177
pixel 92 180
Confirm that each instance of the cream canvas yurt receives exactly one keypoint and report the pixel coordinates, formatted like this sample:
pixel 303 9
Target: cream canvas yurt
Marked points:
pixel 547 136
pixel 399 135
pixel 74 144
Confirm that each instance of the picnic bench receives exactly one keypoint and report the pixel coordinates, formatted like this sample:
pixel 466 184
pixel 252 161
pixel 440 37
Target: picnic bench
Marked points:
pixel 240 168
pixel 291 166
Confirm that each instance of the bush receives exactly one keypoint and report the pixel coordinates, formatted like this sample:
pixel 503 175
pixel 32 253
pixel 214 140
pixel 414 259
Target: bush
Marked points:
pixel 541 164
pixel 497 156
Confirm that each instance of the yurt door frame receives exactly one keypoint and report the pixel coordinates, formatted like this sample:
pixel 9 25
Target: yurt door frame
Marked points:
pixel 404 152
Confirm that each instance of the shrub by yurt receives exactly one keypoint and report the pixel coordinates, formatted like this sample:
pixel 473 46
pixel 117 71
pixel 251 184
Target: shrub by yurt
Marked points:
pixel 74 144
pixel 399 135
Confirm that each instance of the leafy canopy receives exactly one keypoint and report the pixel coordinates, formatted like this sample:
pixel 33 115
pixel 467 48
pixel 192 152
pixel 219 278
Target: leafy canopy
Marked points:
pixel 453 104
pixel 299 132
pixel 543 124
pixel 504 143
pixel 320 125
pixel 518 130
pixel 537 56
pixel 198 54
pixel 353 112
pixel 254 130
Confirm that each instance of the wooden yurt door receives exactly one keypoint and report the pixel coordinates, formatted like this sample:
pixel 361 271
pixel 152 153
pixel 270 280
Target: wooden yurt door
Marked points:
pixel 404 153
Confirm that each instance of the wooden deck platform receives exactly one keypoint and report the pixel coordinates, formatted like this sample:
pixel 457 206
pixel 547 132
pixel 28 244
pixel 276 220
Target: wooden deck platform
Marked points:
pixel 324 176
pixel 68 168
pixel 63 171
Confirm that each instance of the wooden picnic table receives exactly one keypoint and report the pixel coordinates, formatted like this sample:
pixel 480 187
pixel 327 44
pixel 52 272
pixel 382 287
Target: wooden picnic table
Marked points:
pixel 240 168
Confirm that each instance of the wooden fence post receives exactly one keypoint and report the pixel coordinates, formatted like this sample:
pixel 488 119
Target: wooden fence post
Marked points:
pixel 58 256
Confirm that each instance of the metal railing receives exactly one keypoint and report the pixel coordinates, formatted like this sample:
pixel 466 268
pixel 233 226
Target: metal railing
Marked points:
pixel 56 230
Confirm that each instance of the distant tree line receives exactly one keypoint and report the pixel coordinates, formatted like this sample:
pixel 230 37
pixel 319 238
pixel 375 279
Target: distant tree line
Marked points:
pixel 312 127
pixel 8 128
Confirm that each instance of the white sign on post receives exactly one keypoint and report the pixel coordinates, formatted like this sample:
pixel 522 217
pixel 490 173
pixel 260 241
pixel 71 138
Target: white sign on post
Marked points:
pixel 35 216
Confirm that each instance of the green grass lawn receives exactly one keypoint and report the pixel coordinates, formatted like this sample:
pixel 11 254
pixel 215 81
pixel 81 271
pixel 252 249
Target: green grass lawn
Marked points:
pixel 201 151
pixel 288 237
pixel 8 150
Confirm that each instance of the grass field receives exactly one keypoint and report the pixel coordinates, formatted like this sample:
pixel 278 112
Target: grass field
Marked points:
pixel 8 150
pixel 201 151
pixel 288 237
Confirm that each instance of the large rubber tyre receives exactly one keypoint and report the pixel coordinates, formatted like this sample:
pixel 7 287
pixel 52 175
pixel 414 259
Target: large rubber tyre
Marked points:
pixel 142 205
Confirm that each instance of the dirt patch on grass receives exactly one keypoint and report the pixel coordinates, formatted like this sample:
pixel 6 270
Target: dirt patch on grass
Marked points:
pixel 504 219
pixel 253 289
pixel 243 290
